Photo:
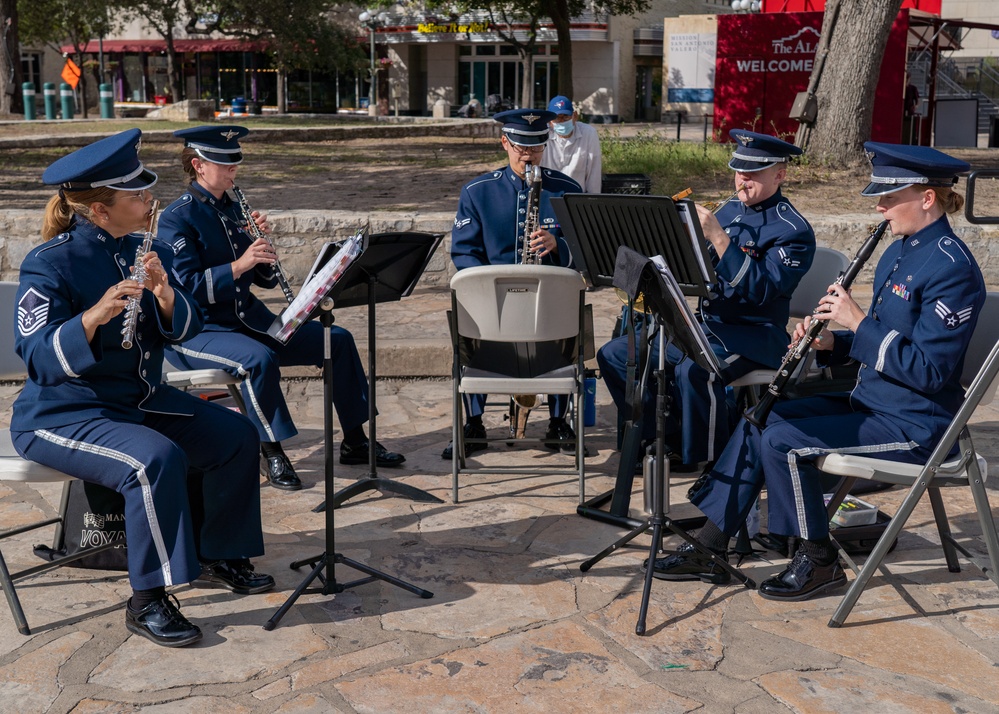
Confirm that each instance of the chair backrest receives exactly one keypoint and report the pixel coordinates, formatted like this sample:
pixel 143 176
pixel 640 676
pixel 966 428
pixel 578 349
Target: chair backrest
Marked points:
pixel 827 265
pixel 517 303
pixel 11 366
pixel 981 362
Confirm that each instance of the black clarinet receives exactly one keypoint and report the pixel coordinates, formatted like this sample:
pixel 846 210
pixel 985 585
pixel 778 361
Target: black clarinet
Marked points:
pixel 757 416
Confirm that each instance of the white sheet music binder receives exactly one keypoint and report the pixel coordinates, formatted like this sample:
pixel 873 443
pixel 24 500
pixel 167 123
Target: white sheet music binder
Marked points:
pixel 315 289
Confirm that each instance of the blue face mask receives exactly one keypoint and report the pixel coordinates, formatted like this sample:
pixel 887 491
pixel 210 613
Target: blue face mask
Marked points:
pixel 564 128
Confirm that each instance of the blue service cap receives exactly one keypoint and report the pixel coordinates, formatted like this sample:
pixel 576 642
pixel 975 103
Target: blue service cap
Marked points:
pixel 112 162
pixel 560 105
pixel 755 152
pixel 525 127
pixel 218 144
pixel 897 166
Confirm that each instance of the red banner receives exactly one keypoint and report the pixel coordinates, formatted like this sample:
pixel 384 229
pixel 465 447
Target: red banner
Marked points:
pixel 764 60
pixel 930 6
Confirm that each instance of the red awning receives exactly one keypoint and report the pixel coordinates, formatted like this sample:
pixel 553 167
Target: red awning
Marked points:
pixel 202 45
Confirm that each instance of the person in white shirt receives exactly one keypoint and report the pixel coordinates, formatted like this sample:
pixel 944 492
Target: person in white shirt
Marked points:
pixel 573 146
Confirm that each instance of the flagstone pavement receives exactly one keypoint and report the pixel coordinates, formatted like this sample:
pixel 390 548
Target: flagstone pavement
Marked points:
pixel 513 625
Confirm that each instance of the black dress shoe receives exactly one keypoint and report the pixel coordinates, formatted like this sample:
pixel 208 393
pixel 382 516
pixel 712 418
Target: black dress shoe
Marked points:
pixel 235 575
pixel 352 455
pixel 803 578
pixel 162 623
pixel 562 430
pixel 472 431
pixel 281 474
pixel 689 564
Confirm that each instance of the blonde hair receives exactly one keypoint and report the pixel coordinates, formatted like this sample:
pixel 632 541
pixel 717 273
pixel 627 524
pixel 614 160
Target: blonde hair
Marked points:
pixel 948 199
pixel 61 208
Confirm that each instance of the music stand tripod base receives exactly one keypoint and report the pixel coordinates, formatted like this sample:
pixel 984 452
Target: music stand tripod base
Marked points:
pixel 323 564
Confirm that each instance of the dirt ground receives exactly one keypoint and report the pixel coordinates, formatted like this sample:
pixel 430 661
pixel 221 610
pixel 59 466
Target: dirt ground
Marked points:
pixel 413 174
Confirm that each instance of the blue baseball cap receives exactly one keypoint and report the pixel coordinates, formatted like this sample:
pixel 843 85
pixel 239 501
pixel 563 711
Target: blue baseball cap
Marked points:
pixel 755 152
pixel 898 166
pixel 112 162
pixel 560 105
pixel 525 127
pixel 217 144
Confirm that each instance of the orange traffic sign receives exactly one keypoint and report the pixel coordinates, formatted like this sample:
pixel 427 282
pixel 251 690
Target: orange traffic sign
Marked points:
pixel 71 73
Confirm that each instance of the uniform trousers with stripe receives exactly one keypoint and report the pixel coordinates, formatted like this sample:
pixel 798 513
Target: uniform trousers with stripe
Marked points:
pixel 698 425
pixel 149 465
pixel 782 457
pixel 257 358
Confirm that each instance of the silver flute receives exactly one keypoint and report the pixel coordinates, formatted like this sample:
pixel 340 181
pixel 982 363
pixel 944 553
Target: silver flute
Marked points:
pixel 254 230
pixel 134 306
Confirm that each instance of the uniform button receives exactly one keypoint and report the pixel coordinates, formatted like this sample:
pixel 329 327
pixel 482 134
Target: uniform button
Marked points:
pixel 705 303
pixel 234 246
pixel 143 373
pixel 242 315
pixel 152 390
pixel 145 356
pixel 121 260
pixel 887 283
pixel 879 301
pixel 237 290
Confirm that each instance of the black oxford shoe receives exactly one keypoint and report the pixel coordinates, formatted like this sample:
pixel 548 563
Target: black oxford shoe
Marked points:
pixel 352 455
pixel 689 564
pixel 472 431
pixel 281 474
pixel 162 623
pixel 562 430
pixel 235 575
pixel 802 579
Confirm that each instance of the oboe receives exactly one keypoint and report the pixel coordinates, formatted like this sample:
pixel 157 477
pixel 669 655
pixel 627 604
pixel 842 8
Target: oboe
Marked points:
pixel 759 414
pixel 254 230
pixel 134 307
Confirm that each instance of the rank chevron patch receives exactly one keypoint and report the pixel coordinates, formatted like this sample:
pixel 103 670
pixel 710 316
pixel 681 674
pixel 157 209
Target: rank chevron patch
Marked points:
pixel 953 319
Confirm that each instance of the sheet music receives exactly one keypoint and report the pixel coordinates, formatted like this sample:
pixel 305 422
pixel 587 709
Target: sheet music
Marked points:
pixel 316 289
pixel 688 216
pixel 687 315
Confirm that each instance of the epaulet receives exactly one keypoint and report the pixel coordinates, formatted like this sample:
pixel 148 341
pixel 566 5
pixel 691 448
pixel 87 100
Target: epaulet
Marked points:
pixel 492 176
pixel 559 176
pixel 185 199
pixel 55 242
pixel 953 249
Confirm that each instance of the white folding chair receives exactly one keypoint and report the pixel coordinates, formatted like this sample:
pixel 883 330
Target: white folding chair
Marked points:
pixel 203 379
pixel 517 329
pixel 826 266
pixel 980 378
pixel 14 468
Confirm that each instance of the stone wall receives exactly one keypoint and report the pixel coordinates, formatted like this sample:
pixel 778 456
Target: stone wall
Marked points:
pixel 298 235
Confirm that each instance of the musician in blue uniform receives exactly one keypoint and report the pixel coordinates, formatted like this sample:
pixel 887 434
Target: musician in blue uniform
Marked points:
pixel 488 230
pixel 218 261
pixel 910 344
pixel 95 410
pixel 759 257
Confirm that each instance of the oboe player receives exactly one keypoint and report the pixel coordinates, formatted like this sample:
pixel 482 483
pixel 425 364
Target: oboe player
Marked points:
pixel 928 291
pixel 219 261
pixel 488 230
pixel 97 411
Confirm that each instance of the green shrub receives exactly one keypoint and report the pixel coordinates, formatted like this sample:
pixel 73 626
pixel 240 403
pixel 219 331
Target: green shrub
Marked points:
pixel 673 166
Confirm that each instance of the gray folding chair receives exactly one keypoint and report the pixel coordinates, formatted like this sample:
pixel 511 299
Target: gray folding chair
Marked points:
pixel 14 468
pixel 517 329
pixel 980 378
pixel 827 265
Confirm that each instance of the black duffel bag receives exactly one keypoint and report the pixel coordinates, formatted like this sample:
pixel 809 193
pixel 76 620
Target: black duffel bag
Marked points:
pixel 95 516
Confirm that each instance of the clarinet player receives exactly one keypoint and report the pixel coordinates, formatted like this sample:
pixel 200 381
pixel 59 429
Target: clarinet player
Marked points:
pixel 95 409
pixel 910 344
pixel 488 230
pixel 218 260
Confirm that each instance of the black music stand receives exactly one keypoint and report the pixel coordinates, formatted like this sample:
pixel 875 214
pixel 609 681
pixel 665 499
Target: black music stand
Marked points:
pixel 637 274
pixel 321 305
pixel 388 270
pixel 595 226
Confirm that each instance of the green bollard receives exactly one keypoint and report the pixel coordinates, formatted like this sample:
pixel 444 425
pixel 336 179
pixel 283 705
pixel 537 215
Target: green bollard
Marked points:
pixel 66 95
pixel 49 90
pixel 28 89
pixel 107 101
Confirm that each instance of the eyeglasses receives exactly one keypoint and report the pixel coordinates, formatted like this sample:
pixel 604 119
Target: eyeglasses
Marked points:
pixel 535 149
pixel 142 195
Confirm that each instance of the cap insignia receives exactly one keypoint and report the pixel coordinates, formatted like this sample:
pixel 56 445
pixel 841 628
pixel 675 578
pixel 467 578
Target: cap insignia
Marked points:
pixel 531 118
pixel 227 135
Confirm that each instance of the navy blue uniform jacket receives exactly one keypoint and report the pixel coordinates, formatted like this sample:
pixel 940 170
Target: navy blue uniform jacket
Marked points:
pixel 71 380
pixel 772 248
pixel 491 213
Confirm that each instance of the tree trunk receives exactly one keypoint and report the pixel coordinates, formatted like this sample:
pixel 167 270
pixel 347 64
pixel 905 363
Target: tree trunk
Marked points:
pixel 282 101
pixel 845 92
pixel 173 70
pixel 527 90
pixel 81 87
pixel 558 11
pixel 11 99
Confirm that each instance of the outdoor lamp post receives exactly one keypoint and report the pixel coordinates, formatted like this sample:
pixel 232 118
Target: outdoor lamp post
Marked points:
pixel 372 21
